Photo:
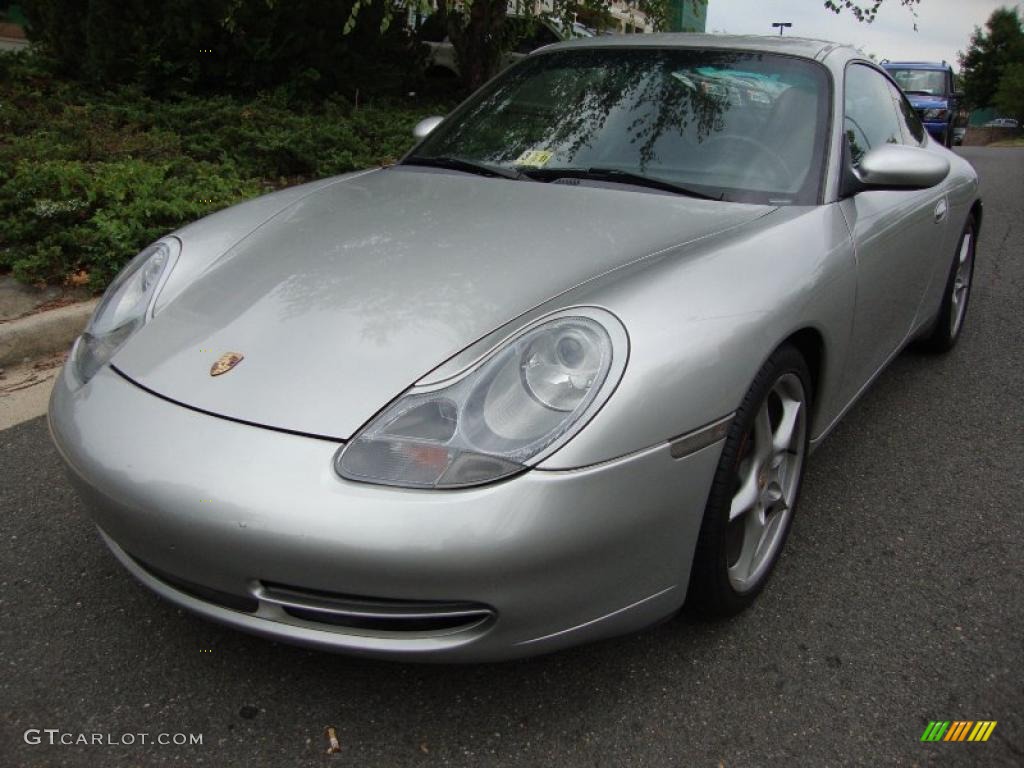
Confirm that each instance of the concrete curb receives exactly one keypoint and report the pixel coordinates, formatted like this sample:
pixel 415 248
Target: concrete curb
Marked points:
pixel 43 333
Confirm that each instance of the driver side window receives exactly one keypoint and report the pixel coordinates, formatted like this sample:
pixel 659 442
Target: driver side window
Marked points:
pixel 870 120
pixel 913 128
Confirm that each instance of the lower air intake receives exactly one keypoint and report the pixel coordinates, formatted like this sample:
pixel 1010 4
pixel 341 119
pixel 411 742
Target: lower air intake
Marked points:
pixel 375 614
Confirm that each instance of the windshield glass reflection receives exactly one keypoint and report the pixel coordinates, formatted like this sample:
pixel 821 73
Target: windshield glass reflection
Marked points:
pixel 736 126
pixel 928 82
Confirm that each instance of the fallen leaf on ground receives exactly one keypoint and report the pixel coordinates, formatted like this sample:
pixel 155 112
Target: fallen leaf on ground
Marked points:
pixel 332 738
pixel 79 278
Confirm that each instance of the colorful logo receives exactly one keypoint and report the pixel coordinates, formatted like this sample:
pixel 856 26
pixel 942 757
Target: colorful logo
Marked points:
pixel 958 730
pixel 225 363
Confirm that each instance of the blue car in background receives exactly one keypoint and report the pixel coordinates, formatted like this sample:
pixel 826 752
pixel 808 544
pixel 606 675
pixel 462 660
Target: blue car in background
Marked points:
pixel 932 92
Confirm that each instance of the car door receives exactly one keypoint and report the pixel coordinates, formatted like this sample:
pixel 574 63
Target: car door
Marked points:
pixel 937 259
pixel 896 233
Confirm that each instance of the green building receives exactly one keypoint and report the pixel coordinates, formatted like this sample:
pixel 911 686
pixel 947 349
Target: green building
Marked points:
pixel 11 13
pixel 688 16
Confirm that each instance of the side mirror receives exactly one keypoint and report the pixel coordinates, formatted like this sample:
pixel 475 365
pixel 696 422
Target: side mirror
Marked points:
pixel 425 126
pixel 899 167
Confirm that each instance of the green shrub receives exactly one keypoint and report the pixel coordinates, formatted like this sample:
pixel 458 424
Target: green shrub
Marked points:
pixel 59 217
pixel 89 177
pixel 235 46
pixel 267 139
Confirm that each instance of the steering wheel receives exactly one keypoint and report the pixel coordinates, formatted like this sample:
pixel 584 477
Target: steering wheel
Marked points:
pixel 763 149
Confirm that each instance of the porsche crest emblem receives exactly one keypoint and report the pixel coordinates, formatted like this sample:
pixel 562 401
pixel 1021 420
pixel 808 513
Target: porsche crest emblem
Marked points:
pixel 225 363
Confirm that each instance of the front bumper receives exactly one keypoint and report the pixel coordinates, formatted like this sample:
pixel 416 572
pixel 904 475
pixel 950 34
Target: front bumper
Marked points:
pixel 211 514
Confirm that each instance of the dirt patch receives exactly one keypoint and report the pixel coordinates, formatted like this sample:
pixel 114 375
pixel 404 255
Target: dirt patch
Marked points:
pixel 18 300
pixel 984 137
pixel 30 374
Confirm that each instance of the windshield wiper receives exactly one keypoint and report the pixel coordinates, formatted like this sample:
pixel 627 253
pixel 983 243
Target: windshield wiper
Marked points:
pixel 919 93
pixel 619 175
pixel 469 166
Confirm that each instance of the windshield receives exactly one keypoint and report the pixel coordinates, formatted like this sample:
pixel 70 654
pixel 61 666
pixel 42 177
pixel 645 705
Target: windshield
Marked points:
pixel 735 126
pixel 931 82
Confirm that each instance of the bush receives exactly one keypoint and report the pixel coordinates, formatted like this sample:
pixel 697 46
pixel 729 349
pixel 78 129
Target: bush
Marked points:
pixel 58 217
pixel 1010 93
pixel 88 178
pixel 234 46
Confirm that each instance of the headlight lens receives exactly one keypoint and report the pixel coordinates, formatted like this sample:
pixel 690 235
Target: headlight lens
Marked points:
pixel 528 397
pixel 125 307
pixel 935 114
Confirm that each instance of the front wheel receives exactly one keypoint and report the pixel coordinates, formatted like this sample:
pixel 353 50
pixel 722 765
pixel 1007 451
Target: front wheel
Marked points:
pixel 953 311
pixel 754 494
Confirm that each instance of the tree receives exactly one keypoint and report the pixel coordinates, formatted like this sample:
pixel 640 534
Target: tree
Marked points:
pixel 254 44
pixel 227 45
pixel 991 52
pixel 864 10
pixel 477 30
pixel 1010 95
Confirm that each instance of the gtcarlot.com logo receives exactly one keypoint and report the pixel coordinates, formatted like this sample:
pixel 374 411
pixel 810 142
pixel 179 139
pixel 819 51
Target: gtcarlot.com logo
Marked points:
pixel 57 737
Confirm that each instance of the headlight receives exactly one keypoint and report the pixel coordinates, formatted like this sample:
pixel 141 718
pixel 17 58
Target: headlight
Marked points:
pixel 935 114
pixel 515 407
pixel 125 307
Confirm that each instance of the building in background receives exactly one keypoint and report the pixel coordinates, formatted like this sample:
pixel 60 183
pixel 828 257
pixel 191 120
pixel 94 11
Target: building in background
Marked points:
pixel 629 18
pixel 12 27
pixel 688 15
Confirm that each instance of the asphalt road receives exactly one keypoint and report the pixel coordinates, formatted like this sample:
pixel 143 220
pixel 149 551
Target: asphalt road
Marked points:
pixel 897 601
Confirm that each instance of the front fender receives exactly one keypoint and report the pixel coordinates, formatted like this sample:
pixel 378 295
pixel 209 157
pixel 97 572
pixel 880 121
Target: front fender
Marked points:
pixel 703 319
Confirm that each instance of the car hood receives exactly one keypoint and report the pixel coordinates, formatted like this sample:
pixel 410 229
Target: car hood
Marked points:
pixel 351 294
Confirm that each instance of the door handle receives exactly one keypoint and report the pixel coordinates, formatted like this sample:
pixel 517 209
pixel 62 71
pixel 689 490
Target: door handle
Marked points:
pixel 941 209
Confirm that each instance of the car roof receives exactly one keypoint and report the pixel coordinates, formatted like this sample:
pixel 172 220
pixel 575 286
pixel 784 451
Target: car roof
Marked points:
pixel 793 46
pixel 915 65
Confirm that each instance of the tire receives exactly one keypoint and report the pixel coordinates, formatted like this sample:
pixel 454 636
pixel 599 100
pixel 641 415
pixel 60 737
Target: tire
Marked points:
pixel 956 296
pixel 730 567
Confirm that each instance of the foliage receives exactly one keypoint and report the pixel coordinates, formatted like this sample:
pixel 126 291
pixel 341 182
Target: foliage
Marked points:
pixel 991 52
pixel 89 177
pixel 58 217
pixel 92 167
pixel 477 30
pixel 237 46
pixel 864 10
pixel 314 47
pixel 1010 96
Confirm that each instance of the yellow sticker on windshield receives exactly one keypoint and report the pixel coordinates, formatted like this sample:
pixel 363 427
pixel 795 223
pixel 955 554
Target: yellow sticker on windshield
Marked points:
pixel 535 158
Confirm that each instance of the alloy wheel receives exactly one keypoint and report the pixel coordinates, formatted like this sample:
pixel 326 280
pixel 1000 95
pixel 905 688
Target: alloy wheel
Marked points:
pixel 961 284
pixel 768 470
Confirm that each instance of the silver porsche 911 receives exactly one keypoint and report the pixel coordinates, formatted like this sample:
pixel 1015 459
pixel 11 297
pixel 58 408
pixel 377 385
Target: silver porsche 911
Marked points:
pixel 550 377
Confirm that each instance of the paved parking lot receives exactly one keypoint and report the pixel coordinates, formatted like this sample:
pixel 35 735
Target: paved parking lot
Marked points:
pixel 898 601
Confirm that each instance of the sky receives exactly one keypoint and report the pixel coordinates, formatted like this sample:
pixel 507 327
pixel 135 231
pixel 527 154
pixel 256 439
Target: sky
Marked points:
pixel 944 27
